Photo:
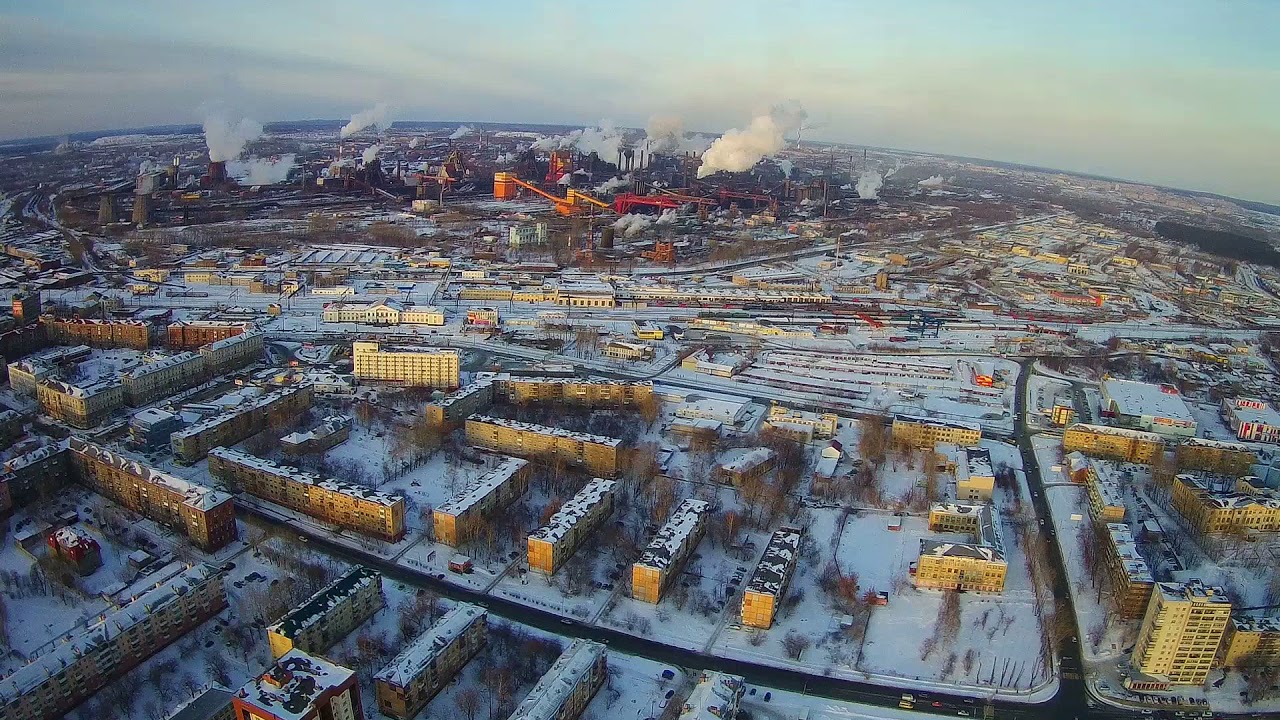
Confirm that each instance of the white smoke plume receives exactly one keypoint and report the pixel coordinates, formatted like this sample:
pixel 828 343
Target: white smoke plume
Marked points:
pixel 869 184
pixel 262 171
pixel 507 157
pixel 786 166
pixel 461 132
pixel 226 139
pixel 370 153
pixel 415 142
pixel 565 179
pixel 739 150
pixel 667 217
pixel 603 141
pixel 631 225
pixel 932 181
pixel 613 184
pixel 665 135
pixel 378 116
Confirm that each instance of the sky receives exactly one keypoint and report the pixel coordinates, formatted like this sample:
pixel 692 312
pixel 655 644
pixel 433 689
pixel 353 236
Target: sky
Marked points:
pixel 1177 92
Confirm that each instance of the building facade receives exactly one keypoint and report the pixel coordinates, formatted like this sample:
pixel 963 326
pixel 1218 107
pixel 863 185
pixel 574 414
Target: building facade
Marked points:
pixel 350 506
pixel 299 686
pixel 460 517
pixel 1181 631
pixel 37 475
pixel 232 353
pixel 405 686
pixel 926 432
pixel 1133 446
pixel 587 392
pixel 1252 420
pixel 1130 575
pixel 1251 641
pixel 98 333
pixel 979 566
pixel 194 441
pixel 975 475
pixel 415 366
pixel 162 378
pixel 1218 506
pixel 661 561
pixel 769 581
pixel 204 514
pixel 194 335
pixel 329 615
pixel 752 464
pixel 1214 456
pixel 595 453
pixel 80 406
pixel 567 687
pixel 555 542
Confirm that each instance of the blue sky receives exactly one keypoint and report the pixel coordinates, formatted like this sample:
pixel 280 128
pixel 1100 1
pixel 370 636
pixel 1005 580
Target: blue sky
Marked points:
pixel 1176 92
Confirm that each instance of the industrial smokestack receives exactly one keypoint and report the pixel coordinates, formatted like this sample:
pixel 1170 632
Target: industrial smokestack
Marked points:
pixel 217 172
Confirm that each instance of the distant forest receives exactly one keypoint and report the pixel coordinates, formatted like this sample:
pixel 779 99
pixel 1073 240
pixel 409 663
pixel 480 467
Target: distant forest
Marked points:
pixel 1221 242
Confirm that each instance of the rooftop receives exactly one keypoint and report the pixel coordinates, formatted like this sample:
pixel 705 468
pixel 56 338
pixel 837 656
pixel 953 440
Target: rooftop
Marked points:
pixel 290 688
pixel 925 420
pixel 975 461
pixel 715 696
pixel 232 341
pixel 161 364
pixel 748 460
pixel 545 430
pixel 673 534
pixel 549 695
pixel 988 541
pixel 301 476
pixel 1139 398
pixel 205 706
pixel 1127 552
pixel 254 404
pixel 425 648
pixel 1254 411
pixel 327 427
pixel 1121 432
pixel 194 495
pixel 315 608
pixel 1195 591
pixel 592 494
pixel 480 488
pixel 82 391
pixel 776 564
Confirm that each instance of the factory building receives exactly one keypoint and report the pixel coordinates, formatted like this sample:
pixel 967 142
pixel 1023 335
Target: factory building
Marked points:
pixel 350 506
pixel 1218 505
pixel 204 514
pixel 975 475
pixel 98 333
pixel 924 432
pixel 405 686
pixel 552 544
pixel 459 518
pixel 717 696
pixel 748 466
pixel 80 406
pixel 667 552
pixel 163 377
pixel 1251 640
pixel 194 441
pixel 1130 575
pixel 978 566
pixel 1133 446
pixel 1252 420
pixel 1181 632
pixel 1144 406
pixel 194 335
pixel 415 366
pixel 595 453
pixel 232 353
pixel 299 686
pixel 568 686
pixel 329 615
pixel 1227 458
pixel 106 649
pixel 768 584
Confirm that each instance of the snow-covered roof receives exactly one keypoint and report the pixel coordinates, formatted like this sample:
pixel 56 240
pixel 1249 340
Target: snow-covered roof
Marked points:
pixel 1126 551
pixel 988 541
pixel 1255 623
pixel 546 430
pixel 404 349
pixel 975 461
pixel 1248 410
pixel 715 697
pixel 83 391
pixel 208 705
pixel 481 383
pixel 329 597
pixel 256 403
pixel 290 688
pixel 162 364
pixel 244 337
pixel 327 427
pixel 425 648
pixel 338 486
pixel 1194 590
pixel 684 521
pixel 939 422
pixel 776 564
pixel 598 491
pixel 557 685
pixel 1220 492
pixel 1138 398
pixel 749 460
pixel 194 495
pixel 1217 444
pixel 35 456
pixel 482 487
pixel 109 626
pixel 1120 432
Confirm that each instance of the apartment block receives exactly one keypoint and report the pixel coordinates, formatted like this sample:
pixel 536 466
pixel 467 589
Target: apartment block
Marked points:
pixel 1133 446
pixel 552 544
pixel 405 686
pixel 25 375
pixel 1102 485
pixel 81 406
pixel 1181 632
pixel 595 453
pixel 770 579
pixel 1251 641
pixel 1130 575
pixel 162 378
pixel 975 475
pixel 331 432
pixel 10 428
pixel 1220 505
pixel 453 409
pixel 811 425
pixel 299 686
pixel 344 504
pixel 661 561
pixel 457 519
pixel 212 704
pixel 413 365
pixel 204 514
pixel 568 686
pixel 1214 456
pixel 37 475
pixel 98 333
pixel 588 392
pixel 717 696
pixel 194 335
pixel 978 566
pixel 233 353
pixel 329 615
pixel 194 441
pixel 748 466
pixel 926 432
pixel 69 672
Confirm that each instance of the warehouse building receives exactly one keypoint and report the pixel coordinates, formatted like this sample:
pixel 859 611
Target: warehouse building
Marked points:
pixel 1144 406
pixel 552 544
pixel 595 453
pixel 405 686
pixel 768 584
pixel 924 432
pixel 978 566
pixel 412 365
pixel 329 615
pixel 344 504
pixel 204 514
pixel 194 441
pixel 661 561
pixel 457 519
pixel 568 686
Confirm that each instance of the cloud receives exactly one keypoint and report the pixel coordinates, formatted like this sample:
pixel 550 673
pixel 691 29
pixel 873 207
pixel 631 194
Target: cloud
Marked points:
pixel 262 171
pixel 378 116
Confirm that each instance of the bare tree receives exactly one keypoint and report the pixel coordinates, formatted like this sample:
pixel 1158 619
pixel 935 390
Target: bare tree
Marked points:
pixel 468 701
pixel 795 644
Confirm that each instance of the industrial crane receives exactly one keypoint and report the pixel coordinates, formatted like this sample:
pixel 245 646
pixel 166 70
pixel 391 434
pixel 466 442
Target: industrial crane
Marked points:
pixel 506 186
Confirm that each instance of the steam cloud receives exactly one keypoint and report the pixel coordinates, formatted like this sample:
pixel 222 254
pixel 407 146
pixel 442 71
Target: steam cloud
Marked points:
pixel 507 157
pixel 932 181
pixel 631 225
pixel 262 171
pixel 370 154
pixel 613 185
pixel 377 116
pixel 739 150
pixel 415 142
pixel 665 134
pixel 226 139
pixel 869 184
pixel 603 141
pixel 462 131
pixel 786 166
